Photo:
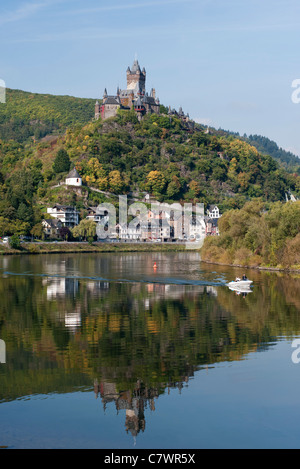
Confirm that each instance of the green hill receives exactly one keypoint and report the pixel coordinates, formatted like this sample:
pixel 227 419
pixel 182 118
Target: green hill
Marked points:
pixel 264 145
pixel 120 155
pixel 35 115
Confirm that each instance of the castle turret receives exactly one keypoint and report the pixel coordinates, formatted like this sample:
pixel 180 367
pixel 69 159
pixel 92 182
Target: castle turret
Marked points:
pixel 104 95
pixel 139 108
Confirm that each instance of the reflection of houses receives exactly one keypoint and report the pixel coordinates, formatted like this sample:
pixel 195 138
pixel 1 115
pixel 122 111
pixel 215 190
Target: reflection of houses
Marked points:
pixel 170 291
pixel 60 287
pixel 96 286
pixel 73 320
pixel 67 215
pixel 212 291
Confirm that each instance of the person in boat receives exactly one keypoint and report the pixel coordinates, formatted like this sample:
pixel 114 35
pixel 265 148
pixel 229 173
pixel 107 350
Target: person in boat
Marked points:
pixel 237 279
pixel 244 277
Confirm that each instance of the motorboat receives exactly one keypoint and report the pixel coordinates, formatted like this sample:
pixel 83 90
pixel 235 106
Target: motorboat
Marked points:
pixel 241 290
pixel 240 285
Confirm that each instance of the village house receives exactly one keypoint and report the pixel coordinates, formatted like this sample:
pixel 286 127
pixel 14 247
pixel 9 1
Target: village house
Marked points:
pixel 51 227
pixel 67 215
pixel 211 227
pixel 97 214
pixel 213 211
pixel 129 232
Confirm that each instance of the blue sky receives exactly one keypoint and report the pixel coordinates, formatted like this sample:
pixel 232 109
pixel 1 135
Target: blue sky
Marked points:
pixel 229 63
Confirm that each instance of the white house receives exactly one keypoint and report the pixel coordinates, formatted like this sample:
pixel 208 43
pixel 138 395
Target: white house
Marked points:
pixel 213 211
pixel 68 215
pixel 73 178
pixel 51 226
pixel 97 214
pixel 129 232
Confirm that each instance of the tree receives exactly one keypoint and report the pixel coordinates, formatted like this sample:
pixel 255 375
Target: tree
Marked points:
pixel 65 233
pixel 85 229
pixel 62 162
pixel 14 242
pixel 156 182
pixel 116 184
pixel 37 231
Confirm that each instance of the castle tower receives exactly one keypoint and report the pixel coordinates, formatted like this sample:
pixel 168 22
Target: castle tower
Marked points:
pixel 104 96
pixel 136 78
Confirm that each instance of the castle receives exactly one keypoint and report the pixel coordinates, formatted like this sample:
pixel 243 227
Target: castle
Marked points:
pixel 135 96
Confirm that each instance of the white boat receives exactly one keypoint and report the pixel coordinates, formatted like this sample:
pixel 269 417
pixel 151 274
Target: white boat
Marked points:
pixel 239 290
pixel 240 285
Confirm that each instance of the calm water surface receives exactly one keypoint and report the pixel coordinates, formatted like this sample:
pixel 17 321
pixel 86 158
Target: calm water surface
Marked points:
pixel 103 352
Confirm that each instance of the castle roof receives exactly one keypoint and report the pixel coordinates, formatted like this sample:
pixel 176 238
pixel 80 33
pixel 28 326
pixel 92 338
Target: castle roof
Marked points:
pixel 112 100
pixel 135 67
pixel 73 174
pixel 149 100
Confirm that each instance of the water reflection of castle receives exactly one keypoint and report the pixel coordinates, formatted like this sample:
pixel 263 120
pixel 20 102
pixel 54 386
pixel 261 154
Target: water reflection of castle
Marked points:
pixel 134 402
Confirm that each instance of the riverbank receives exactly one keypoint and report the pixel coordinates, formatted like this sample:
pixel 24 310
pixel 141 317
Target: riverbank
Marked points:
pixel 64 248
pixel 252 267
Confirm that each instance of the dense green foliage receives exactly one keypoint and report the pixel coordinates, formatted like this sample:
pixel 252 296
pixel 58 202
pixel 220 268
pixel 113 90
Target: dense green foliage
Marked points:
pixel 267 146
pixel 254 236
pixel 160 156
pixel 62 162
pixel 264 145
pixel 35 115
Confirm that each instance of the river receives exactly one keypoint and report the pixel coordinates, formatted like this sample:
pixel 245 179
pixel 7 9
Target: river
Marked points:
pixel 103 351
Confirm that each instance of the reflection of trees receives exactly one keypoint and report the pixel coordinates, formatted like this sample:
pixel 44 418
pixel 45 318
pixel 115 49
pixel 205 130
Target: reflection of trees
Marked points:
pixel 124 334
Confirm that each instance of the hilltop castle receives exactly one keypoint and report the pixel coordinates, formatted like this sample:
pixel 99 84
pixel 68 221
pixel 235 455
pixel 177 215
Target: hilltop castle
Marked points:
pixel 135 96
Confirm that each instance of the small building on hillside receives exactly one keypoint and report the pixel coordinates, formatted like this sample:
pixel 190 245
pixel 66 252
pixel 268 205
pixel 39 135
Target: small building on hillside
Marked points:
pixel 67 215
pixel 73 178
pixel 97 214
pixel 211 227
pixel 213 211
pixel 51 227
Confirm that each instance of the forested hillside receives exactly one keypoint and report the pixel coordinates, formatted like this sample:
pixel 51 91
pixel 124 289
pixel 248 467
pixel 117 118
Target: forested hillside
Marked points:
pixel 159 155
pixel 264 145
pixel 35 115
pixel 267 146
